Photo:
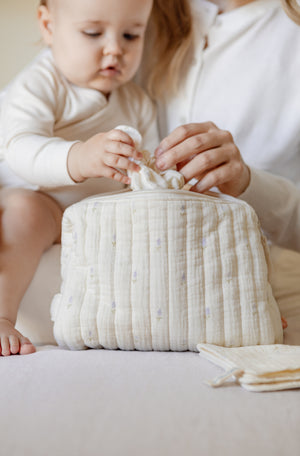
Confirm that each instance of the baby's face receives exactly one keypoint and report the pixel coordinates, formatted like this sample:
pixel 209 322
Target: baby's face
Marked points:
pixel 97 44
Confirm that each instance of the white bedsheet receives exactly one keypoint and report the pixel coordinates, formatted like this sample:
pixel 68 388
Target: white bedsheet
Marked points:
pixel 114 403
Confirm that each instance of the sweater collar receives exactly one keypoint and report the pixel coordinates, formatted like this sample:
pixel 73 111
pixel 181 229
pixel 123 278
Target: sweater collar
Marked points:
pixel 209 13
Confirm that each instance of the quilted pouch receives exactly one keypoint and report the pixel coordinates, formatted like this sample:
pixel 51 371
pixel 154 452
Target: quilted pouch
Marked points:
pixel 163 270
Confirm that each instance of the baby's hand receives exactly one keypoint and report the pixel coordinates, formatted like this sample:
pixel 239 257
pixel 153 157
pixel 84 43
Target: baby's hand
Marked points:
pixel 103 155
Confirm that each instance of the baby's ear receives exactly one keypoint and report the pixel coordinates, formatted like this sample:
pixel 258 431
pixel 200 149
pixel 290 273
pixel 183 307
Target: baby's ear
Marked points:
pixel 45 23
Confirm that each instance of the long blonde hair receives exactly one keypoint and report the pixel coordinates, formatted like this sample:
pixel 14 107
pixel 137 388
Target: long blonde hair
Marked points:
pixel 168 43
pixel 292 9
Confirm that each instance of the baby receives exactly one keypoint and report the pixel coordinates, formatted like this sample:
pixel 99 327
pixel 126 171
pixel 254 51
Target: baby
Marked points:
pixel 59 115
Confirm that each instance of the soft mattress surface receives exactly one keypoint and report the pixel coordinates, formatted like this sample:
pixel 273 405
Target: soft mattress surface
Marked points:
pixel 163 270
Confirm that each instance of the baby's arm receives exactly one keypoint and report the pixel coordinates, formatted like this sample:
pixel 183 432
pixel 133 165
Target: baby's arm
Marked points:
pixel 31 111
pixel 28 118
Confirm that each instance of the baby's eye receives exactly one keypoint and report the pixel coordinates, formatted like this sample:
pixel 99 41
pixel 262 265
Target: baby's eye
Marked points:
pixel 130 36
pixel 91 33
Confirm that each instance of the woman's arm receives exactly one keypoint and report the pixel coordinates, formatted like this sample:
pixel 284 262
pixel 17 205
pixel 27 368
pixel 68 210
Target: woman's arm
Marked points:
pixel 277 204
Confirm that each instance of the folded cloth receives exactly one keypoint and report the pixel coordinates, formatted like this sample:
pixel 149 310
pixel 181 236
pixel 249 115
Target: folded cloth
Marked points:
pixel 149 177
pixel 256 368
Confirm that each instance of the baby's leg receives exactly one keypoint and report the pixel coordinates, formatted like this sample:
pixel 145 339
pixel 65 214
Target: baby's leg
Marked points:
pixel 30 224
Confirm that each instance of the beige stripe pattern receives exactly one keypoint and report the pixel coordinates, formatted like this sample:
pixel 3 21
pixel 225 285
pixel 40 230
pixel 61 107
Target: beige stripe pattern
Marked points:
pixel 163 270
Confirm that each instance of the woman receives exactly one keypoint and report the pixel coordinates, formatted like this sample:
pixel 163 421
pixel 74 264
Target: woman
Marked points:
pixel 243 76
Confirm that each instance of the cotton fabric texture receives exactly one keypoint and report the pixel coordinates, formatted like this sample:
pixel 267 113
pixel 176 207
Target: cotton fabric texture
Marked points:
pixel 163 270
pixel 259 368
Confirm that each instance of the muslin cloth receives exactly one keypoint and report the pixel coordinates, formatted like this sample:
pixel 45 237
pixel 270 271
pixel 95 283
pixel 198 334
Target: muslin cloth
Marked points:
pixel 149 177
pixel 256 368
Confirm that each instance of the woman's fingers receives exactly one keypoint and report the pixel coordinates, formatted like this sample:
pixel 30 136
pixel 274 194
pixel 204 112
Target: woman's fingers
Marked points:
pixel 182 133
pixel 231 178
pixel 206 154
pixel 203 162
pixel 192 146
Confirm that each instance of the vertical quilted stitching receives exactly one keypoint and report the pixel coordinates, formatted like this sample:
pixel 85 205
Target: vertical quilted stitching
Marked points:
pixel 270 324
pixel 220 229
pixel 71 328
pixel 257 278
pixel 149 343
pixel 159 285
pixel 183 213
pixel 141 277
pixel 250 325
pixel 219 268
pixel 168 271
pixel 123 321
pixel 202 286
pixel 194 273
pixel 204 274
pixel 106 267
pixel 177 271
pixel 130 260
pixel 233 329
pixel 213 297
pixel 66 266
pixel 90 302
pixel 114 304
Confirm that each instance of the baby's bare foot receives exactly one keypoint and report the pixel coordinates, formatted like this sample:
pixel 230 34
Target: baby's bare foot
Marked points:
pixel 12 342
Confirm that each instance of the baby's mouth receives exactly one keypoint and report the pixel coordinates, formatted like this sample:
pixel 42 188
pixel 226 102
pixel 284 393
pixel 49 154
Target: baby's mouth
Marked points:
pixel 110 70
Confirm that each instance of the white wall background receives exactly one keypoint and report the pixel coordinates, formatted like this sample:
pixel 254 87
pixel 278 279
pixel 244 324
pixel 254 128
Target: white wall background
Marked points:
pixel 19 36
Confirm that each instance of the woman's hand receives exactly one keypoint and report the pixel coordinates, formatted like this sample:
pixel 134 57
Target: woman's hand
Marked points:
pixel 103 155
pixel 204 152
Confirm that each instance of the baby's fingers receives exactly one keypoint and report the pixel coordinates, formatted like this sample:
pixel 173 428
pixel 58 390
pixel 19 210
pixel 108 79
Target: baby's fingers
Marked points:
pixel 121 144
pixel 117 161
pixel 116 175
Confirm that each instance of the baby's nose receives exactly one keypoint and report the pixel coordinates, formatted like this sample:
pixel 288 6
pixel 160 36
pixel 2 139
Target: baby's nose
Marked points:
pixel 112 47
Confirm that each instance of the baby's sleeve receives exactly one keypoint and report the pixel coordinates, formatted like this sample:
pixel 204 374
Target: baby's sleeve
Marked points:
pixel 28 117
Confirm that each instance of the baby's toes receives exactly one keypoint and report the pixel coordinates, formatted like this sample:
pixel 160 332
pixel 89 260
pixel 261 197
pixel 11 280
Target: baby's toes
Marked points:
pixel 5 346
pixel 14 344
pixel 284 323
pixel 26 346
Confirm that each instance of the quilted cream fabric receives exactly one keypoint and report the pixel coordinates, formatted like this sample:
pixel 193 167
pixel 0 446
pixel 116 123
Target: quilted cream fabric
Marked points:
pixel 258 368
pixel 163 270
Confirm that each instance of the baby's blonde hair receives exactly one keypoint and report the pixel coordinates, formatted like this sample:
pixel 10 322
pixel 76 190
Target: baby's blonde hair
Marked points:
pixel 292 9
pixel 167 44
